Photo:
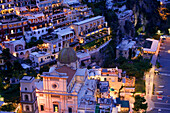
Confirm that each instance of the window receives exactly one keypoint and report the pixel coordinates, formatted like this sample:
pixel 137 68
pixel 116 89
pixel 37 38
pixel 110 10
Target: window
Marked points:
pixel 27 108
pixel 69 110
pixel 38 32
pixel 54 86
pixel 69 97
pixel 26 97
pixel 105 79
pixel 42 107
pixel 12 31
pixel 59 44
pixel 25 89
pixel 55 108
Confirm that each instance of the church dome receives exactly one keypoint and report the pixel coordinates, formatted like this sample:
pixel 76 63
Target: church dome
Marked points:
pixel 67 56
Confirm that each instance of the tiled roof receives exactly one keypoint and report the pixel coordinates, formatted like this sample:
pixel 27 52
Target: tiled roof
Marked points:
pixel 70 72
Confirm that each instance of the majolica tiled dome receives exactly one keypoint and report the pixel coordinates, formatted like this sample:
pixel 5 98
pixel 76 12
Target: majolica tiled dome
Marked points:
pixel 67 56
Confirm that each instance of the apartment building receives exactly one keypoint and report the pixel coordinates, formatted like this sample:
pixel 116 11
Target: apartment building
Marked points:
pixel 64 18
pixel 12 27
pixel 21 3
pixel 90 26
pixel 41 58
pixel 38 25
pixel 58 38
pixel 6 7
pixel 83 11
pixel 125 49
pixel 49 7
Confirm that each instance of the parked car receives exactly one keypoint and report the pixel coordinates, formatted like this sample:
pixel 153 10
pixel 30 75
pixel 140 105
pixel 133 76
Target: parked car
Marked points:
pixel 161 86
pixel 160 97
pixel 159 92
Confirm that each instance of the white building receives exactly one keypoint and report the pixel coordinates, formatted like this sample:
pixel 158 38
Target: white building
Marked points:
pixel 84 57
pixel 58 91
pixel 125 49
pixel 28 95
pixel 41 58
pixel 56 41
pixel 153 46
pixel 90 26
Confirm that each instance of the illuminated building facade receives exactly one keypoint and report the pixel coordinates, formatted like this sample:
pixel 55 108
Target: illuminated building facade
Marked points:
pixel 12 27
pixel 6 7
pixel 59 88
pixel 90 26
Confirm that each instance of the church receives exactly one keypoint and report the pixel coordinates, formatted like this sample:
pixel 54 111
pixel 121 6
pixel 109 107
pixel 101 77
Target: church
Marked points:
pixel 58 89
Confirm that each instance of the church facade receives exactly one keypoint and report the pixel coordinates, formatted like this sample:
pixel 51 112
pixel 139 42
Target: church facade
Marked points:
pixel 58 89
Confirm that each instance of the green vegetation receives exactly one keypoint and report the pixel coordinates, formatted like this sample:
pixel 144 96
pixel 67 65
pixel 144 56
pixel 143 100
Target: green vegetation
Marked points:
pixel 34 42
pixel 140 103
pixel 6 53
pixel 8 107
pixel 96 43
pixel 157 64
pixel 11 94
pixel 135 67
pixel 140 86
pixel 44 69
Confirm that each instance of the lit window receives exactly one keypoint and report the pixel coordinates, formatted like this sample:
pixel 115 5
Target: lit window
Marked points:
pixel 12 31
pixel 55 108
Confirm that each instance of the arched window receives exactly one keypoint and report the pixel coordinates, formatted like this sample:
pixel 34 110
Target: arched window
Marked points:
pixel 27 108
pixel 25 89
pixel 26 97
pixel 42 107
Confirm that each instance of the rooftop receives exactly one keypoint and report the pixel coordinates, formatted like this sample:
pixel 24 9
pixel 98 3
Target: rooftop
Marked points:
pixel 87 90
pixel 125 13
pixel 88 20
pixel 83 55
pixel 153 45
pixel 39 54
pixel 70 72
pixel 104 86
pixel 64 31
pixel 123 103
pixel 107 101
pixel 126 44
pixel 81 72
pixel 112 70
pixel 27 79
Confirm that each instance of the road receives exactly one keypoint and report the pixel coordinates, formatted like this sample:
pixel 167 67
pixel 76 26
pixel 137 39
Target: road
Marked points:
pixel 163 79
pixel 149 78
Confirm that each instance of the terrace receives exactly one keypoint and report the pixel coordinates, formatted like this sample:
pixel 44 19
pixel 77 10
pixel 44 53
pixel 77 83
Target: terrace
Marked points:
pixel 10 18
pixel 95 40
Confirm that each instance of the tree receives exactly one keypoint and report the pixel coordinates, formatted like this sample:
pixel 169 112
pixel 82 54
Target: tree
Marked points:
pixel 33 39
pixel 17 65
pixel 140 103
pixel 8 107
pixel 44 69
pixel 6 53
pixel 128 26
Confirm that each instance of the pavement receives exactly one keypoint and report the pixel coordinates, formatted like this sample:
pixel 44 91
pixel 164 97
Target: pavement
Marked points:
pixel 162 79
